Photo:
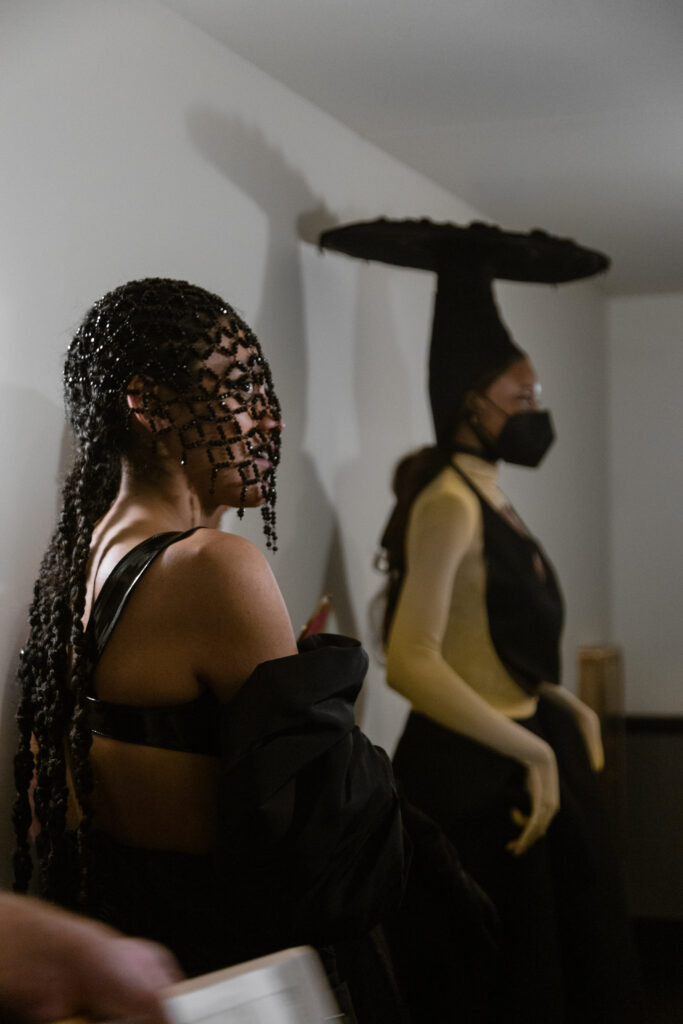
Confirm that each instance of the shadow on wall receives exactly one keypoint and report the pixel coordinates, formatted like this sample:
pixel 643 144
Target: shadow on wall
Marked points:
pixel 390 412
pixel 309 560
pixel 33 466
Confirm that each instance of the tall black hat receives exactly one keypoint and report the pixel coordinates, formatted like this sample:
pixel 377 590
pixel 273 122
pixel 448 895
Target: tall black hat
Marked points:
pixel 469 339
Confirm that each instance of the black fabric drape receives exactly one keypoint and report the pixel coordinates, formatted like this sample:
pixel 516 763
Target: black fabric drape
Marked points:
pixel 310 816
pixel 566 953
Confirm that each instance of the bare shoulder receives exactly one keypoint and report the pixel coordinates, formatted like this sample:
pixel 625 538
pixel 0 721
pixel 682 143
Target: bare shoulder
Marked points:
pixel 231 602
pixel 215 555
pixel 216 570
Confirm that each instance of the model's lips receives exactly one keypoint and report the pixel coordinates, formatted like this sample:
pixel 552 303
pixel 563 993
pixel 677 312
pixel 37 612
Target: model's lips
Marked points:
pixel 264 457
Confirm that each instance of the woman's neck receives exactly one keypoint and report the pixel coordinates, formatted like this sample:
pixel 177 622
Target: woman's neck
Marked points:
pixel 163 500
pixel 465 437
pixel 465 440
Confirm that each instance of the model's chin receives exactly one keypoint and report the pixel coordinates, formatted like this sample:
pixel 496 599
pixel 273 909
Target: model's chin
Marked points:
pixel 249 487
pixel 254 496
pixel 255 492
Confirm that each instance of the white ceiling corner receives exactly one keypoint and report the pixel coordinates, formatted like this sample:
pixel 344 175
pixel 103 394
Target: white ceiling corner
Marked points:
pixel 560 114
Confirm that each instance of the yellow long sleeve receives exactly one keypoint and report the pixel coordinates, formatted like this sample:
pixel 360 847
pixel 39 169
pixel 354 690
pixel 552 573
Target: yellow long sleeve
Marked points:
pixel 440 655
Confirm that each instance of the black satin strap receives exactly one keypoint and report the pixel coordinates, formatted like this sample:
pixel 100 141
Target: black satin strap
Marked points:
pixel 191 727
pixel 120 583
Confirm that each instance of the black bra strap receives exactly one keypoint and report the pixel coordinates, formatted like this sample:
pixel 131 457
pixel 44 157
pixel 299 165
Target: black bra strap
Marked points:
pixel 120 583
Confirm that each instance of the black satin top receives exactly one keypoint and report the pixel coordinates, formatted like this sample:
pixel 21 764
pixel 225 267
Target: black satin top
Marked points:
pixel 192 727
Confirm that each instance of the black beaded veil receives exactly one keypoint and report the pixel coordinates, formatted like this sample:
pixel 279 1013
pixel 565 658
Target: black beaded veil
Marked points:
pixel 161 332
pixel 145 347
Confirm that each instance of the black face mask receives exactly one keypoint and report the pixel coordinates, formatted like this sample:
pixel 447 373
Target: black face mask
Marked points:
pixel 524 439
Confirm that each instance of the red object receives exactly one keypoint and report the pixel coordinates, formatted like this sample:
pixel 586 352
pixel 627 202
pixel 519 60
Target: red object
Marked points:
pixel 316 622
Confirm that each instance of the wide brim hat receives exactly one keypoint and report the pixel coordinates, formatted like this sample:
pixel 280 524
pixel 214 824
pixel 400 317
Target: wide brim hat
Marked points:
pixel 469 339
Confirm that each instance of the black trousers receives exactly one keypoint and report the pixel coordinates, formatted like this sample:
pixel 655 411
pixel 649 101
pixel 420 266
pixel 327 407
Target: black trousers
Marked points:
pixel 566 953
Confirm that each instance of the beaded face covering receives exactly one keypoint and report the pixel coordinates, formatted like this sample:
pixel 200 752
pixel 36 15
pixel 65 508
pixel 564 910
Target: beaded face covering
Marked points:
pixel 183 359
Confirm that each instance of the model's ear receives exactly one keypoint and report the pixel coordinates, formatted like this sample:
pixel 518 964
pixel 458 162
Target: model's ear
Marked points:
pixel 146 406
pixel 471 406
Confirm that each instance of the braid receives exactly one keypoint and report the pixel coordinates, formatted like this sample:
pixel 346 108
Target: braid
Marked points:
pixel 98 483
pixel 159 331
pixel 42 715
pixel 49 710
pixel 23 775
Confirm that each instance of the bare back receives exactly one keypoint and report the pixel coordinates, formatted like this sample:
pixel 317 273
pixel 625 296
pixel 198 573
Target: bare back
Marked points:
pixel 204 614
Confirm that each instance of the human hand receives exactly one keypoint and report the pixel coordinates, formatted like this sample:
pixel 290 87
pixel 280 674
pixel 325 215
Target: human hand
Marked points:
pixel 55 964
pixel 589 727
pixel 543 787
pixel 587 721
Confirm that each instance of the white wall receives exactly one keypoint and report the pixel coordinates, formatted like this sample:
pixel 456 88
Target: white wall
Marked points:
pixel 646 497
pixel 134 145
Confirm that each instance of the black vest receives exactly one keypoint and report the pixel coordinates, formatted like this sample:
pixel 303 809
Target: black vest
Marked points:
pixel 523 600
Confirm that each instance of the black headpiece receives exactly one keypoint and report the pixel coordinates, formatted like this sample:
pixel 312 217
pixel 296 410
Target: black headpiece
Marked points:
pixel 469 340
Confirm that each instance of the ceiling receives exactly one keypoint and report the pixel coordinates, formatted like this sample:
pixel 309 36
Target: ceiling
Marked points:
pixel 560 114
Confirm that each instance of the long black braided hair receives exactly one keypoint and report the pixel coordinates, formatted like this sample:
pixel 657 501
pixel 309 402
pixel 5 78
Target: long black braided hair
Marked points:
pixel 158 331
